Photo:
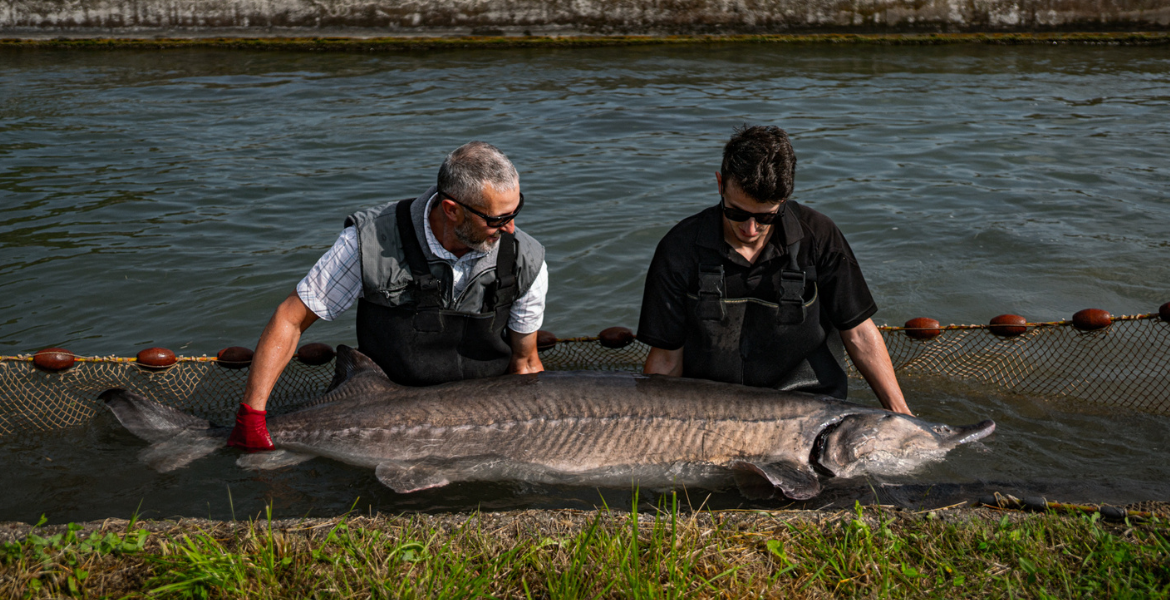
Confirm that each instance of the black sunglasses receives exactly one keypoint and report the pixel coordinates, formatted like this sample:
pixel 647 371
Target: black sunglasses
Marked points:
pixel 494 222
pixel 739 215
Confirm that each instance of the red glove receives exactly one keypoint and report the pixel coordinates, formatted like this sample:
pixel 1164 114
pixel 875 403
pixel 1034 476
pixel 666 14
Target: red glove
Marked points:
pixel 250 432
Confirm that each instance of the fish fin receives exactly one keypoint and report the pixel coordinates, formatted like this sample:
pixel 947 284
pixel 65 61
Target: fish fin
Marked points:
pixel 352 363
pixel 759 481
pixel 148 419
pixel 276 459
pixel 414 478
pixel 179 451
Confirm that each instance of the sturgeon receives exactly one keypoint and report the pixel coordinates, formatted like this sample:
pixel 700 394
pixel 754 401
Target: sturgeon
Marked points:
pixel 579 428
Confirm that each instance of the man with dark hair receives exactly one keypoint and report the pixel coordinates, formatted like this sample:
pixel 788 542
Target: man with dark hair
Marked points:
pixel 447 287
pixel 761 291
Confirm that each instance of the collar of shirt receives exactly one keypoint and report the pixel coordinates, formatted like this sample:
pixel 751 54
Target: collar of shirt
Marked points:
pixel 436 248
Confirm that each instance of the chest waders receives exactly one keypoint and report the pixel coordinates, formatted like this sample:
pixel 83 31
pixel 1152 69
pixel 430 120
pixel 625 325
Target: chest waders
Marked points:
pixel 783 345
pixel 425 344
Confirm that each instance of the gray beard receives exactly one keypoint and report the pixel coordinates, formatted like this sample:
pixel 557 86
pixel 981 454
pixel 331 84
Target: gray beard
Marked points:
pixel 469 237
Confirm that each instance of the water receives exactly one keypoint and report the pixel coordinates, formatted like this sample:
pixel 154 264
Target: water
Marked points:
pixel 174 198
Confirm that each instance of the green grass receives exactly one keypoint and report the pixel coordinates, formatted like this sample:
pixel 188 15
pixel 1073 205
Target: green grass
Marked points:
pixel 666 553
pixel 396 44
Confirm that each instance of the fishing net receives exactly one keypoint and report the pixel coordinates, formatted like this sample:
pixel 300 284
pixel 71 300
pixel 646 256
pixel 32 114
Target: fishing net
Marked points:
pixel 1126 363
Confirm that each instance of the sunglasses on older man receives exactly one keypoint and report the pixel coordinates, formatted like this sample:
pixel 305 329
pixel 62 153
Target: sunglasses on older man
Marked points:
pixel 494 222
pixel 739 215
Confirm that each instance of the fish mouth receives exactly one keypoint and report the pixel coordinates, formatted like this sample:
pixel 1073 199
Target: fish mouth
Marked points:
pixel 818 448
pixel 975 432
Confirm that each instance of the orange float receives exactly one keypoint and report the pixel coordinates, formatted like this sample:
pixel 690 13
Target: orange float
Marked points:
pixel 53 360
pixel 1092 319
pixel 315 353
pixel 234 357
pixel 922 328
pixel 156 358
pixel 1008 325
pixel 545 340
pixel 616 337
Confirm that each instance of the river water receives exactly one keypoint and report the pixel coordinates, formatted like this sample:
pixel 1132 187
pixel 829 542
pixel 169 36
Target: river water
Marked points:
pixel 174 198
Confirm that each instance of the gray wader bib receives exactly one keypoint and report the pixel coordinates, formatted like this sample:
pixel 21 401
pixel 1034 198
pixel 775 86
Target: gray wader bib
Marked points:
pixel 424 344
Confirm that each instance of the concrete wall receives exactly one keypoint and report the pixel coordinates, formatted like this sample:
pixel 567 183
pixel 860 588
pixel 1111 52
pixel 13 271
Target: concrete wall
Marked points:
pixel 492 17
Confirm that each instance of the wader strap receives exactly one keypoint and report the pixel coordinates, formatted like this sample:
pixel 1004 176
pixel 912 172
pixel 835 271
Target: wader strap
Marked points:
pixel 792 282
pixel 711 293
pixel 426 285
pixel 503 291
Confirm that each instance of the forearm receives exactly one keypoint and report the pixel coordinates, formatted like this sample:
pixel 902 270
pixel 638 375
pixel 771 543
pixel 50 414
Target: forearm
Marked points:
pixel 664 362
pixel 868 351
pixel 275 349
pixel 525 356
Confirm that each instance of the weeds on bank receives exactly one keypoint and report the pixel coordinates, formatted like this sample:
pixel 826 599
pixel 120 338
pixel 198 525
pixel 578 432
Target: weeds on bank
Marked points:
pixel 666 553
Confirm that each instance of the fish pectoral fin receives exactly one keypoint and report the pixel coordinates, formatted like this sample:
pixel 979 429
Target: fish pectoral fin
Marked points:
pixel 413 478
pixel 265 461
pixel 758 481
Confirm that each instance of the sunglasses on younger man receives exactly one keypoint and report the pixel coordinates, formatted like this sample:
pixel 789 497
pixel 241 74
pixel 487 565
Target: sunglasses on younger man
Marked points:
pixel 494 222
pixel 739 215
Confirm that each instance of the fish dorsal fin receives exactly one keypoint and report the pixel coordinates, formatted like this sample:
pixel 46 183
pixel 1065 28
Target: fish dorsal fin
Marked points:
pixel 758 480
pixel 352 364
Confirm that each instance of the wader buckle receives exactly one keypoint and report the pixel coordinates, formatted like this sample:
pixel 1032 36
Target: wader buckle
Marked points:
pixel 426 316
pixel 711 292
pixel 792 309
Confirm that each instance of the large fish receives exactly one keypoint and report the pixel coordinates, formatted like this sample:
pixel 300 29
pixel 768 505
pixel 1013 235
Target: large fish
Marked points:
pixel 581 428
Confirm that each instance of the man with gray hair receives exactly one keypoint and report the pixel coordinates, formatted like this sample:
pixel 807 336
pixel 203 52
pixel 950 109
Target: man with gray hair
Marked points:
pixel 447 287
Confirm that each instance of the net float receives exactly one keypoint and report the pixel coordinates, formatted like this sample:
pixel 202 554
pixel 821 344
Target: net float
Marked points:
pixel 1092 319
pixel 616 337
pixel 156 358
pixel 545 340
pixel 234 357
pixel 922 328
pixel 1008 325
pixel 1164 312
pixel 53 360
pixel 315 353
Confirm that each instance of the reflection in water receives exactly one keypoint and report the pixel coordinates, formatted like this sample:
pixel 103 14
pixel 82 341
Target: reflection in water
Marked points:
pixel 173 198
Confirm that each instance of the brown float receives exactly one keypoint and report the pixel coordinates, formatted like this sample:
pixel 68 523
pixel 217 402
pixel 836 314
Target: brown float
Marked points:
pixel 156 358
pixel 53 360
pixel 1008 325
pixel 1164 312
pixel 545 340
pixel 1092 319
pixel 616 337
pixel 922 328
pixel 315 353
pixel 235 357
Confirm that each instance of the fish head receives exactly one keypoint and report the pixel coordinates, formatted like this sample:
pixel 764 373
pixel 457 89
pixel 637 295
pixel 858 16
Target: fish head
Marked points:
pixel 886 443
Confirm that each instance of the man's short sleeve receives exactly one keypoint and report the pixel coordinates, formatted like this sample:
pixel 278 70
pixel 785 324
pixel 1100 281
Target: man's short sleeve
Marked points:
pixel 662 322
pixel 334 283
pixel 845 296
pixel 527 313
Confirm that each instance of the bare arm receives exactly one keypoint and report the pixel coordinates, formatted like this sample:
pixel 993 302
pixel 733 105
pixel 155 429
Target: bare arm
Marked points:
pixel 664 362
pixel 525 357
pixel 277 345
pixel 868 351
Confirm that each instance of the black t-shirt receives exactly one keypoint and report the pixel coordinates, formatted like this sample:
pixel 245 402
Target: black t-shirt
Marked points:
pixel 674 272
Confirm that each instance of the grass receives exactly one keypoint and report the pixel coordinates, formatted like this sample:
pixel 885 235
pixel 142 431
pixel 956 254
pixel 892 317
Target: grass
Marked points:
pixel 666 553
pixel 396 44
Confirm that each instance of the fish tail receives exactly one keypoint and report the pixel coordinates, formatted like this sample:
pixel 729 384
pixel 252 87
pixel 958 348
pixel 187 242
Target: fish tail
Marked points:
pixel 177 438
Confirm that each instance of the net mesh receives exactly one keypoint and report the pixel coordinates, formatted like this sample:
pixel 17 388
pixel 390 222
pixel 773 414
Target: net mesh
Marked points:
pixel 1125 364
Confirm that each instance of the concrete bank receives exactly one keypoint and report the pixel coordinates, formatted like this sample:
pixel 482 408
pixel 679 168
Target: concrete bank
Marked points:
pixel 364 18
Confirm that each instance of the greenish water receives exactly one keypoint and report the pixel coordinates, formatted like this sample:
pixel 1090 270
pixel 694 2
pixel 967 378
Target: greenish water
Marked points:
pixel 173 198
